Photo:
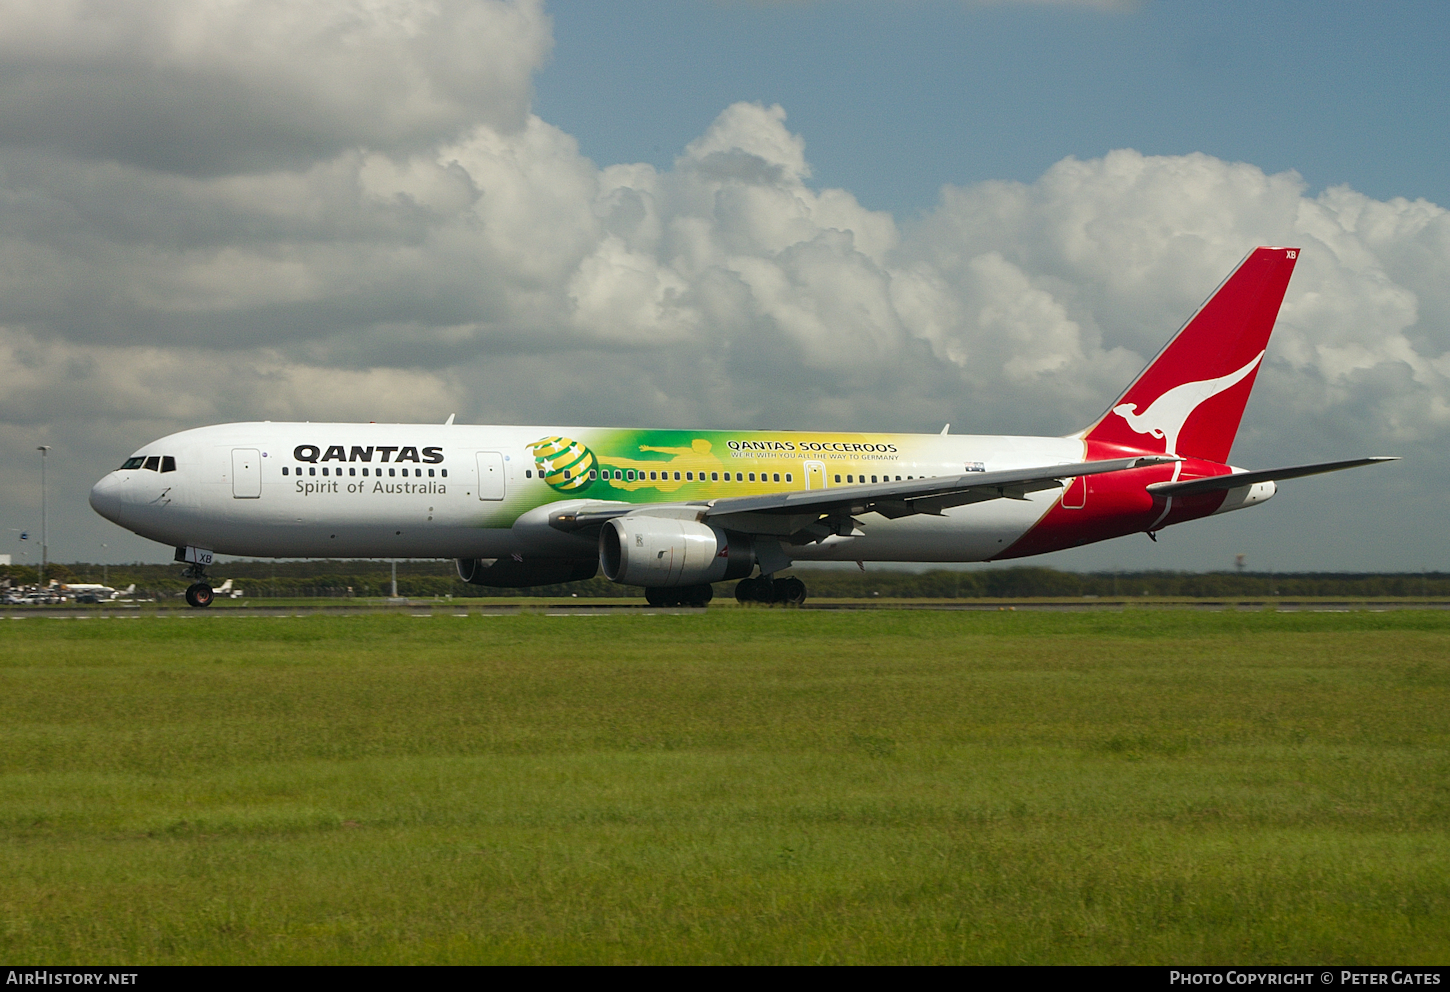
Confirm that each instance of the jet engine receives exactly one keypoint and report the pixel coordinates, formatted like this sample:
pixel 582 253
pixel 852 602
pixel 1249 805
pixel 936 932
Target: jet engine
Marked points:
pixel 506 573
pixel 642 550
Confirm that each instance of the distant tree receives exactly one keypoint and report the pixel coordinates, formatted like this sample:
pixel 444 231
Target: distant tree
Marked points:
pixel 18 575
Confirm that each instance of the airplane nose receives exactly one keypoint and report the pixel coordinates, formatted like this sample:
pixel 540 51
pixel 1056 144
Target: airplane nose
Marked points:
pixel 106 498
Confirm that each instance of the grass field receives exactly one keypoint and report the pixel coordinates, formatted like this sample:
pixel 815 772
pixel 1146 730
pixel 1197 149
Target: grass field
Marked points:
pixel 739 786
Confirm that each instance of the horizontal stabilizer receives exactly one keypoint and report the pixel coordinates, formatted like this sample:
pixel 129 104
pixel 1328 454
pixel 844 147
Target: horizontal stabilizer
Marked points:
pixel 1218 483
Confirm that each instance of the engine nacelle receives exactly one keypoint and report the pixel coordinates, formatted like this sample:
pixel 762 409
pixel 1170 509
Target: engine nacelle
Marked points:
pixel 639 550
pixel 505 573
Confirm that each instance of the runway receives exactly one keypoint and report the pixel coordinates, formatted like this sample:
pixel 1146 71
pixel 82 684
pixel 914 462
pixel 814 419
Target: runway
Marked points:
pixel 459 608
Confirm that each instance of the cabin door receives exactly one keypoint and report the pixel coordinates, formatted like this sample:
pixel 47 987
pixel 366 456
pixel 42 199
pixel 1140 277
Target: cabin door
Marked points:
pixel 490 475
pixel 246 473
pixel 1075 496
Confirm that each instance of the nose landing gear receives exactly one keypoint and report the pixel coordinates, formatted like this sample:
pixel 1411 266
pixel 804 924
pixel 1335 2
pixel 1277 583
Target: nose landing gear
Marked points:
pixel 199 593
pixel 764 589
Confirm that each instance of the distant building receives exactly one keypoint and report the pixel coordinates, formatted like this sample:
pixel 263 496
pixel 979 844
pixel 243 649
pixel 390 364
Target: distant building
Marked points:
pixel 4 559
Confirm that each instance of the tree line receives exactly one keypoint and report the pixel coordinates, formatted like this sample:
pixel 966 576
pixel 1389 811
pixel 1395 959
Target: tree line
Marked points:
pixel 434 578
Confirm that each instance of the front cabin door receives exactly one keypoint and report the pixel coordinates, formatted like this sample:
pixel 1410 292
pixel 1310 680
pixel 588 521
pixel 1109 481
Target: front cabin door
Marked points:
pixel 246 473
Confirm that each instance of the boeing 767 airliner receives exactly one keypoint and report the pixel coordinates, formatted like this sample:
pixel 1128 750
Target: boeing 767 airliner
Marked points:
pixel 674 511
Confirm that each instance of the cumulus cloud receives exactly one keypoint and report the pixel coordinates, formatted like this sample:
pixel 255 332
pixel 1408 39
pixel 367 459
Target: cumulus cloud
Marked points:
pixel 350 214
pixel 210 86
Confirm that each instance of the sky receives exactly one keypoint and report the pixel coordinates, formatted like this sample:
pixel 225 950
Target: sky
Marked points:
pixel 801 215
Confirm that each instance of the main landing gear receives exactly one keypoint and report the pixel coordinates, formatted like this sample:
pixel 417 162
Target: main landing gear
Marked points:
pixel 764 589
pixel 679 595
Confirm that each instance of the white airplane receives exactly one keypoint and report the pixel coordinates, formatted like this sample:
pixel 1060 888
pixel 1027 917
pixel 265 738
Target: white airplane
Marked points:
pixel 94 591
pixel 674 511
pixel 225 589
pixel 78 589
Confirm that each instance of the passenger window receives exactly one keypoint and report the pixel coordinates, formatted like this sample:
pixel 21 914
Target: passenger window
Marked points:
pixel 528 473
pixel 849 478
pixel 153 463
pixel 133 463
pixel 566 473
pixel 593 474
pixel 787 477
pixel 873 478
pixel 752 476
pixel 311 470
pixel 392 472
pixel 689 476
pixel 284 469
pixel 353 471
pixel 443 472
pixel 629 475
pixel 677 477
pixel 838 478
pixel 168 463
pixel 714 476
pixel 654 475
pixel 777 478
pixel 737 477
pixel 430 473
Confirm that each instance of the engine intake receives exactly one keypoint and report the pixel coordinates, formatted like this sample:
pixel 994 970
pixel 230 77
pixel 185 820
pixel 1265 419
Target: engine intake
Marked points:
pixel 639 550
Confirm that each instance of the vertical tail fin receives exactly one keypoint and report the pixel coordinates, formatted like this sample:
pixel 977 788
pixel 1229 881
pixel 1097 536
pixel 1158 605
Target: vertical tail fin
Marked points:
pixel 1192 395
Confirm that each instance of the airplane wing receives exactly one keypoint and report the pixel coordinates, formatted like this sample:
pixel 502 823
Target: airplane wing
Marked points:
pixel 813 514
pixel 901 499
pixel 1239 479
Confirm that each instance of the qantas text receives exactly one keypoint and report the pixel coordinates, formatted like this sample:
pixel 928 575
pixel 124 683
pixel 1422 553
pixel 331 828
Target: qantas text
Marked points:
pixel 335 453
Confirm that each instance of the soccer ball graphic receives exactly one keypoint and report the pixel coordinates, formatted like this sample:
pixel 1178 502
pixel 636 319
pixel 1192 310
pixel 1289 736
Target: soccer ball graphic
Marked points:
pixel 563 463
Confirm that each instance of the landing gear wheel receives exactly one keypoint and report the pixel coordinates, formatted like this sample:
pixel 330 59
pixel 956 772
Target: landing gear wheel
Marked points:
pixel 198 594
pixel 790 591
pixel 748 591
pixel 679 595
pixel 762 589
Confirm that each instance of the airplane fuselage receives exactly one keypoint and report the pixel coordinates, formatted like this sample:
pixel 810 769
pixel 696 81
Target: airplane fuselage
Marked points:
pixel 457 491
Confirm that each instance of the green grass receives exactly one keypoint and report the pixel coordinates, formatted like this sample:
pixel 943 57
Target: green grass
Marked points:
pixel 741 786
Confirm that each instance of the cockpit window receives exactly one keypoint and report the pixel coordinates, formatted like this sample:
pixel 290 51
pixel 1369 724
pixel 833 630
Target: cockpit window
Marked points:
pixel 133 463
pixel 153 463
pixel 168 463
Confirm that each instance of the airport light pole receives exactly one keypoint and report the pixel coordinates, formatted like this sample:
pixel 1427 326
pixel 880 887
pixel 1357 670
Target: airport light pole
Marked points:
pixel 44 450
pixel 104 566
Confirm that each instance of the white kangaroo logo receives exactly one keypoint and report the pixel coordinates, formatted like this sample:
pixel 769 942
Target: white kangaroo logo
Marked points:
pixel 1166 415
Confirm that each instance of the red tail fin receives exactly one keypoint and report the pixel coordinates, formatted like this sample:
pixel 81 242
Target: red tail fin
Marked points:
pixel 1192 396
